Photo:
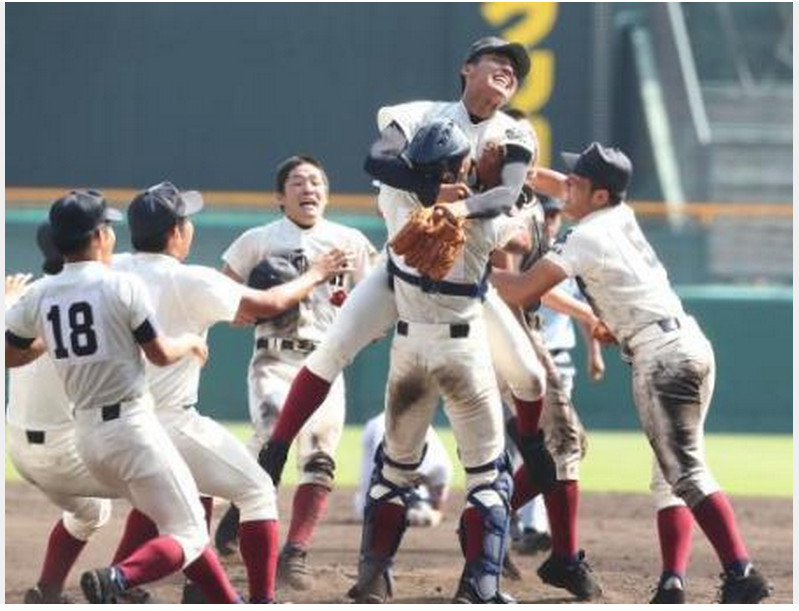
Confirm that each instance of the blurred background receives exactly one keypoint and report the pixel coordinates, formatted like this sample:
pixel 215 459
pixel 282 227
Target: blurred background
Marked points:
pixel 213 96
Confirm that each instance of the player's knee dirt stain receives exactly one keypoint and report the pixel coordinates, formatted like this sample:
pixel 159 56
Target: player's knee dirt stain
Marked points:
pixel 453 382
pixel 678 387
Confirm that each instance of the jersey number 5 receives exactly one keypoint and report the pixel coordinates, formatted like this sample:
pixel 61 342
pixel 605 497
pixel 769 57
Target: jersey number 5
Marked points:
pixel 82 338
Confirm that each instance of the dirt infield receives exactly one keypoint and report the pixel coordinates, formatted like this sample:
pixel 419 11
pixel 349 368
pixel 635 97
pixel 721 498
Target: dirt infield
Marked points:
pixel 618 532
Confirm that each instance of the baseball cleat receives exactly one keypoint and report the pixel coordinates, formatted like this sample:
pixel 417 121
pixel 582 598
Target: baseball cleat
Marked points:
pixel 749 588
pixel 99 586
pixel 670 591
pixel 292 569
pixel 466 595
pixel 192 594
pixel 376 592
pixel 575 576
pixel 35 596
pixel 136 596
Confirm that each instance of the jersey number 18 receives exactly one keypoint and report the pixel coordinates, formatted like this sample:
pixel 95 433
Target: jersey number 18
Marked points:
pixel 82 338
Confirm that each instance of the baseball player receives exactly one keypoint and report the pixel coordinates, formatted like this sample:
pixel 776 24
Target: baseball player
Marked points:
pixel 95 324
pixel 41 445
pixel 557 333
pixel 490 76
pixel 434 475
pixel 190 299
pixel 441 347
pixel 283 342
pixel 673 369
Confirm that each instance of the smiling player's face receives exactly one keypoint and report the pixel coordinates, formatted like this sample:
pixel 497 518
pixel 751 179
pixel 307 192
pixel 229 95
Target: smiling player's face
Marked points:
pixel 491 76
pixel 305 195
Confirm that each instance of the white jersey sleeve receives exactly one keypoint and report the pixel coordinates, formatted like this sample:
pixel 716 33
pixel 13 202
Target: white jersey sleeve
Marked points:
pixel 208 295
pixel 409 116
pixel 135 300
pixel 575 253
pixel 244 253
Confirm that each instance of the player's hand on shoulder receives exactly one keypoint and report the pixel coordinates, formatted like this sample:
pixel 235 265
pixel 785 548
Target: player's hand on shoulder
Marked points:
pixel 15 287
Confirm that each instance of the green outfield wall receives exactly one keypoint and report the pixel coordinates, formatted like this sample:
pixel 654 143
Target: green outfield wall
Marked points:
pixel 750 328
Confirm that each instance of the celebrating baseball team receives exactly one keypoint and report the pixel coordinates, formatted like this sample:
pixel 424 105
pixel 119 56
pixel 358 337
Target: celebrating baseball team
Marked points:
pixel 478 289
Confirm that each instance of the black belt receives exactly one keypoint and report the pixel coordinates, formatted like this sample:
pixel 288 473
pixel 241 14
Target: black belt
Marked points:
pixel 456 331
pixel 669 324
pixel 428 285
pixel 36 437
pixel 111 412
pixel 298 345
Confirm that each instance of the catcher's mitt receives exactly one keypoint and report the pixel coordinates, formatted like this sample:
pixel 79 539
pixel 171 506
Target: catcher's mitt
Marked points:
pixel 431 241
pixel 489 166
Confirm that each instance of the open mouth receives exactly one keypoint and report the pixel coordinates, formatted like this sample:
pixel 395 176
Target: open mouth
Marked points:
pixel 503 80
pixel 309 206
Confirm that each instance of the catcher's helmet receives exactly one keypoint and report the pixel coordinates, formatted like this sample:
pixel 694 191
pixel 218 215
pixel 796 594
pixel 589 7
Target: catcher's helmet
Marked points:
pixel 438 148
pixel 270 272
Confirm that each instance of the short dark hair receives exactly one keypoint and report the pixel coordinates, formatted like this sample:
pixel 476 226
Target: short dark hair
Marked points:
pixel 155 242
pixel 69 246
pixel 287 166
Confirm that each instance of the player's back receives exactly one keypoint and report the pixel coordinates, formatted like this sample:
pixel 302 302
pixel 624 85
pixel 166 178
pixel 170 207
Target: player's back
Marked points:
pixel 619 271
pixel 186 299
pixel 87 315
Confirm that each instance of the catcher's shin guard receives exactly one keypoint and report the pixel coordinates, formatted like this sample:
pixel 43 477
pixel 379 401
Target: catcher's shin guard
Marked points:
pixel 384 524
pixel 481 575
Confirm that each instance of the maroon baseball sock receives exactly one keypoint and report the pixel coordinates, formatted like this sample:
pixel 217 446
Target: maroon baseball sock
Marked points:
pixel 208 507
pixel 209 576
pixel 388 522
pixel 310 503
pixel 138 530
pixel 523 489
pixel 154 560
pixel 716 518
pixel 561 503
pixel 62 551
pixel 307 393
pixel 472 541
pixel 258 544
pixel 528 415
pixel 675 527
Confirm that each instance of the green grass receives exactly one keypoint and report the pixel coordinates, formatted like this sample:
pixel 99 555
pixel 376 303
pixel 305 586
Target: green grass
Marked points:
pixel 750 465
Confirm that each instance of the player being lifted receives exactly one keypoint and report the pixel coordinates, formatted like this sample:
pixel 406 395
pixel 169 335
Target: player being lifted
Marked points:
pixel 673 368
pixel 490 76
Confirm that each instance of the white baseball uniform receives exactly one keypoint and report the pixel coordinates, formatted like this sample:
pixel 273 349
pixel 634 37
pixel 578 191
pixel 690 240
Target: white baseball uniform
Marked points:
pixel 282 344
pixel 370 310
pixel 191 299
pixel 41 445
pixel 435 469
pixel 88 315
pixel 673 368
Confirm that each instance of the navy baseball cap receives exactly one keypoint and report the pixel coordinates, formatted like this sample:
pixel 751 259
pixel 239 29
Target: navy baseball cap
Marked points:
pixel 606 168
pixel 158 208
pixel 53 260
pixel 77 214
pixel 513 50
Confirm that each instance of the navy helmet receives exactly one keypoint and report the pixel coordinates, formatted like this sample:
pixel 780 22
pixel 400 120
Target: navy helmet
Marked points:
pixel 438 148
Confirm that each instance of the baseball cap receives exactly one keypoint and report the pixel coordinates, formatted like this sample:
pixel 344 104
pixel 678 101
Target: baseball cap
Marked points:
pixel 53 260
pixel 494 44
pixel 606 168
pixel 550 204
pixel 77 214
pixel 158 208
